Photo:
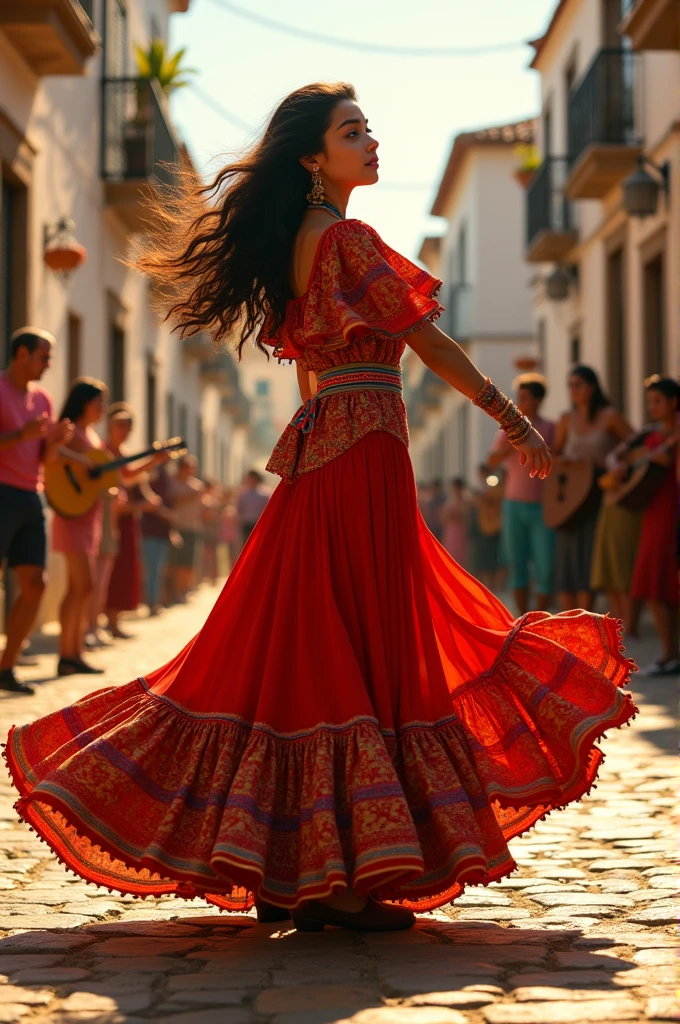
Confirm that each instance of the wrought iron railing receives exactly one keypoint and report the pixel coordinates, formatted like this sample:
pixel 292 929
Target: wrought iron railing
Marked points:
pixel 548 209
pixel 88 7
pixel 603 107
pixel 137 140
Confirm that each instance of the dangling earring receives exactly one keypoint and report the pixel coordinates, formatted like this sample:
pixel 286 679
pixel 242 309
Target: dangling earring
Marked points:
pixel 315 197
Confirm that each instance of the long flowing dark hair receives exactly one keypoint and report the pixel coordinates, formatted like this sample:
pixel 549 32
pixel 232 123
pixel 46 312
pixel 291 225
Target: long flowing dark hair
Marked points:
pixel 219 256
pixel 598 399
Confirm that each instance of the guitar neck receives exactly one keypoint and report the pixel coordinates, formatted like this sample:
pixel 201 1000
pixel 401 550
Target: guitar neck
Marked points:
pixel 125 460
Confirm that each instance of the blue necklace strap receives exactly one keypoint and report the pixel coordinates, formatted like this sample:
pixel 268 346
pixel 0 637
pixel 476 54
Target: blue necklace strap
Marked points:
pixel 325 205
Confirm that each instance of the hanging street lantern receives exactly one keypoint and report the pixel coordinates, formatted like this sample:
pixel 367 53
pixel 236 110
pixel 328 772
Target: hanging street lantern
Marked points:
pixel 557 284
pixel 641 190
pixel 62 252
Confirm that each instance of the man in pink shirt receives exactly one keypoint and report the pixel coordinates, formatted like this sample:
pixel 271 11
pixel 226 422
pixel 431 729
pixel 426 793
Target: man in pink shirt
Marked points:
pixel 28 436
pixel 527 541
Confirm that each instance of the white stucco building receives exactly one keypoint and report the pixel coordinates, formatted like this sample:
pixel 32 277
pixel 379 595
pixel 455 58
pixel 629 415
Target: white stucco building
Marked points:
pixel 486 292
pixel 610 84
pixel 80 140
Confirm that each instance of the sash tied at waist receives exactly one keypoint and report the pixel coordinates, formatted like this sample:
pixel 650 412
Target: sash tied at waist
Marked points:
pixel 348 377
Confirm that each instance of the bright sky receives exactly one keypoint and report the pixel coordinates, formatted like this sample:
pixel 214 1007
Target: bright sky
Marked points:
pixel 415 105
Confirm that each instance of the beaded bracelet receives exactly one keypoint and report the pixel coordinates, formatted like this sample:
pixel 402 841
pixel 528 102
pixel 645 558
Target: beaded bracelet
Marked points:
pixel 491 400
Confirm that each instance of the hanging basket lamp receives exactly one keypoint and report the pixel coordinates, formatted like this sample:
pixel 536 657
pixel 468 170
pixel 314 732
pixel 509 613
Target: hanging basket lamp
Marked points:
pixel 63 253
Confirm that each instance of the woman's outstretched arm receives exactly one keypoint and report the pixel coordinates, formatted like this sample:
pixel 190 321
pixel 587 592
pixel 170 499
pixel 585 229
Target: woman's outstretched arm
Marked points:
pixel 448 360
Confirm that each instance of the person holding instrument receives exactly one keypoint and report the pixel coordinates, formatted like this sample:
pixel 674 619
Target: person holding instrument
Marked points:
pixel 78 538
pixel 28 439
pixel 588 432
pixel 360 726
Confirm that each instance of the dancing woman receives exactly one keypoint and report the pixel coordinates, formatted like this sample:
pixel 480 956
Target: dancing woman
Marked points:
pixel 360 726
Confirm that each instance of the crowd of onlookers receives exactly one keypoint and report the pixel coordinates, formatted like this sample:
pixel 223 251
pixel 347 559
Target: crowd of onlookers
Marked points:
pixel 149 540
pixel 162 529
pixel 497 530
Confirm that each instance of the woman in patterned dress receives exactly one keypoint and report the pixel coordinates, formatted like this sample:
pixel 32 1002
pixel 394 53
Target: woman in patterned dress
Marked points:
pixel 360 726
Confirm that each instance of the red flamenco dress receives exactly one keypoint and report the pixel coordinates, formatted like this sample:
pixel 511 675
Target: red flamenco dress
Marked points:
pixel 357 710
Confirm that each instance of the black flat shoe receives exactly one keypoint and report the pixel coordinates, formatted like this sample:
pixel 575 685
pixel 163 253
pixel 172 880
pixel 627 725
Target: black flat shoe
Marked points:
pixel 313 916
pixel 76 667
pixel 9 682
pixel 267 913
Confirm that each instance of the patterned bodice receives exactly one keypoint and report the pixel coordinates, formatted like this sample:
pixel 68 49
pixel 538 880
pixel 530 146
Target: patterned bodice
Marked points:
pixel 362 300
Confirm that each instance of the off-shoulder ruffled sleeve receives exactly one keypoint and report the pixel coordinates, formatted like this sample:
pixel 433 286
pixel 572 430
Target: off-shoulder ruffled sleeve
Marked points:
pixel 358 285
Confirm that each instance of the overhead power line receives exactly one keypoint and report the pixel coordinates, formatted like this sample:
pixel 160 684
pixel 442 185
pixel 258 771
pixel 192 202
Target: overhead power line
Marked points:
pixel 220 109
pixel 366 47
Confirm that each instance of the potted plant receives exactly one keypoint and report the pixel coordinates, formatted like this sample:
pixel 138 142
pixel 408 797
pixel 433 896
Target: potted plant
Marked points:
pixel 528 162
pixel 153 64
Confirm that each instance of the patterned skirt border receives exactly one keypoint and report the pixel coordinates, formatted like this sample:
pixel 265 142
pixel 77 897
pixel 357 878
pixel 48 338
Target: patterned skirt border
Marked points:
pixel 293 818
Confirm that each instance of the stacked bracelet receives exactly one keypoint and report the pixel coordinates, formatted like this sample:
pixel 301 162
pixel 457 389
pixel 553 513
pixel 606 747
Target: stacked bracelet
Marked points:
pixel 502 409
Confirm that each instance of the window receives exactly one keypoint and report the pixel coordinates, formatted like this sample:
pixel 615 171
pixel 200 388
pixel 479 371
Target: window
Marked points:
pixel 462 254
pixel 261 388
pixel 170 414
pixel 115 38
pixel 653 313
pixel 183 422
pixel 73 353
pixel 150 401
pixel 116 360
pixel 616 339
pixel 6 268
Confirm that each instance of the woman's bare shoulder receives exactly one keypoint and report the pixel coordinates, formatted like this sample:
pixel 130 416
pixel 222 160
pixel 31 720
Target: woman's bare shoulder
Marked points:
pixel 314 225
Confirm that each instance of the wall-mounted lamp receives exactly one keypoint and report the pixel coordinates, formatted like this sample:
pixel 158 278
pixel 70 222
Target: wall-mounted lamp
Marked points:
pixel 557 284
pixel 641 190
pixel 62 253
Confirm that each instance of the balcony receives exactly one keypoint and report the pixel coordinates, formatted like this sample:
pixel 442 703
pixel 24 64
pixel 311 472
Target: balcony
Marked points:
pixel 218 370
pixel 139 149
pixel 54 37
pixel 199 346
pixel 651 24
pixel 550 229
pixel 604 140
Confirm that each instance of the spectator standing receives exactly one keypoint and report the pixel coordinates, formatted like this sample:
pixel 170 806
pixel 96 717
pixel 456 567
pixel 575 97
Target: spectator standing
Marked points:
pixel 432 509
pixel 156 527
pixel 485 530
pixel 186 496
pixel 589 431
pixel 528 544
pixel 456 513
pixel 126 578
pixel 251 502
pixel 28 437
pixel 229 529
pixel 655 578
pixel 78 538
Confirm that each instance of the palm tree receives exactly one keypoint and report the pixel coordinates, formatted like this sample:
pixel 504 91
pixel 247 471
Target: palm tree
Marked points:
pixel 166 68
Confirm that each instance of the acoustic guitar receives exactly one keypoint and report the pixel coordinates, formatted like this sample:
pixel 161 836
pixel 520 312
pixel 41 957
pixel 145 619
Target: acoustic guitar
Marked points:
pixel 569 494
pixel 76 480
pixel 642 480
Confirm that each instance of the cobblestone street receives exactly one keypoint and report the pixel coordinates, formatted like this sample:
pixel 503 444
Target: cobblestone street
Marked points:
pixel 581 932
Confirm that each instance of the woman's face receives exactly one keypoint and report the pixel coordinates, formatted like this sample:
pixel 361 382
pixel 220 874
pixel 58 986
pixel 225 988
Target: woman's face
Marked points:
pixel 658 406
pixel 579 390
pixel 350 156
pixel 119 430
pixel 94 410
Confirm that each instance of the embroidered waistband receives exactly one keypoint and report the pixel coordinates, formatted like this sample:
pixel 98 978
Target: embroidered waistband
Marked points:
pixel 348 377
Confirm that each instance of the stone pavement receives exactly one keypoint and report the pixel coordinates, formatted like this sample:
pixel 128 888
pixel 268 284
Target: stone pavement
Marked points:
pixel 581 932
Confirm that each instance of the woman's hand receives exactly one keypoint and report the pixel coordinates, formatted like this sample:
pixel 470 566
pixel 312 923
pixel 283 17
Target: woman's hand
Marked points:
pixel 534 453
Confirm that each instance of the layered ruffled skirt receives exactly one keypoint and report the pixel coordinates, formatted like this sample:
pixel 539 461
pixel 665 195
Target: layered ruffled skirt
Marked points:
pixel 356 711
